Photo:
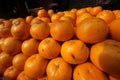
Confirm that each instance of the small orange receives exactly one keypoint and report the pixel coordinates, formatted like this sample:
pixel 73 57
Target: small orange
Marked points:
pixel 89 9
pixel 35 66
pixel 115 29
pixel 40 30
pixel 88 71
pixel 62 30
pixel 42 13
pixel 5 62
pixel 50 12
pixel 49 48
pixel 82 17
pixel 11 73
pixel 58 69
pixel 107 15
pixel 95 10
pixel 19 61
pixel 74 51
pixel 74 10
pixel 29 19
pixel 30 47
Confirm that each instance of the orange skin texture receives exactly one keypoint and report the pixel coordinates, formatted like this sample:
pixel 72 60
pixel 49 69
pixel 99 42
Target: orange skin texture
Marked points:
pixel 88 71
pixel 74 51
pixel 49 48
pixel 58 69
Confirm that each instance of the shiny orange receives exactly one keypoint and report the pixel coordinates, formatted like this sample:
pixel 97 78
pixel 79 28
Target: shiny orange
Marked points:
pixel 29 19
pixel 42 13
pixel 92 30
pixel 30 47
pixel 20 29
pixel 11 73
pixel 106 56
pixel 62 30
pixel 5 62
pixel 35 66
pixel 11 46
pixel 58 69
pixel 49 48
pixel 107 15
pixel 88 71
pixel 19 61
pixel 40 31
pixel 74 51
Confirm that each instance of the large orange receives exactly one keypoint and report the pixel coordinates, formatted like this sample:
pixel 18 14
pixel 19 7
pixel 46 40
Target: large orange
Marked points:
pixel 11 73
pixel 11 46
pixel 19 61
pixel 115 29
pixel 74 51
pixel 40 30
pixel 106 56
pixel 88 71
pixel 20 29
pixel 107 15
pixel 58 69
pixel 92 30
pixel 49 48
pixel 30 47
pixel 35 66
pixel 62 30
pixel 5 62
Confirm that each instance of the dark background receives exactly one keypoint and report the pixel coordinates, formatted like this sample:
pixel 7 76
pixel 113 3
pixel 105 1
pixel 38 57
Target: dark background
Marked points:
pixel 22 8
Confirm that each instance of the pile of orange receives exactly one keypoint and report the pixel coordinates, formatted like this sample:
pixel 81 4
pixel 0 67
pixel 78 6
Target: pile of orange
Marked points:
pixel 77 44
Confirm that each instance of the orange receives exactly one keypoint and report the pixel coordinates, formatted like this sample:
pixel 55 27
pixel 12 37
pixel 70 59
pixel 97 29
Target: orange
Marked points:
pixel 80 11
pixel 107 15
pixel 49 48
pixel 28 19
pixel 115 29
pixel 89 9
pixel 30 47
pixel 92 30
pixel 11 46
pixel 1 42
pixel 74 51
pixel 95 10
pixel 5 62
pixel 40 30
pixel 20 29
pixel 88 71
pixel 19 61
pixel 58 69
pixel 73 10
pixel 42 13
pixel 50 12
pixel 70 14
pixel 83 16
pixel 11 73
pixel 55 17
pixel 62 30
pixel 106 56
pixel 35 66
